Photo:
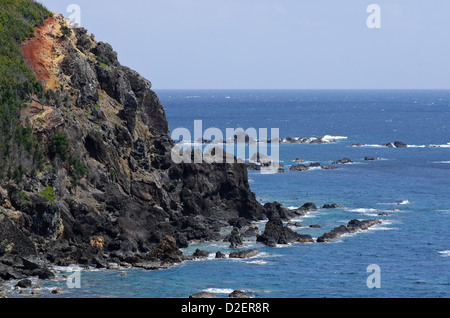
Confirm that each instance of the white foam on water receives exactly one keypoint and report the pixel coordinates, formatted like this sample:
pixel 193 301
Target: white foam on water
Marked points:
pixel 364 210
pixel 445 253
pixel 430 146
pixel 405 202
pixel 382 227
pixel 219 290
pixel 373 146
pixel 328 137
pixel 442 162
pixel 257 262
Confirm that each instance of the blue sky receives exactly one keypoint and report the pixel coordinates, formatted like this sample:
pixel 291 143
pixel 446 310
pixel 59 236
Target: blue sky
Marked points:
pixel 267 44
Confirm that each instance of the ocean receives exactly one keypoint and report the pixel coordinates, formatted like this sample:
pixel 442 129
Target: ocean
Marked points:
pixel 409 186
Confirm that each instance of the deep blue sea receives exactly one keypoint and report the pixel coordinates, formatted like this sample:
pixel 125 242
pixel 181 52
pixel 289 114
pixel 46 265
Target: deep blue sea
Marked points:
pixel 411 246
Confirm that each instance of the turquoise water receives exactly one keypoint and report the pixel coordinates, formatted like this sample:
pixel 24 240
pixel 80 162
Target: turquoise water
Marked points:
pixel 411 247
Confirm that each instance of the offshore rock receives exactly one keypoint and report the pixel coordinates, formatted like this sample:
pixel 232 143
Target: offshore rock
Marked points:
pixel 244 254
pixel 276 233
pixel 352 227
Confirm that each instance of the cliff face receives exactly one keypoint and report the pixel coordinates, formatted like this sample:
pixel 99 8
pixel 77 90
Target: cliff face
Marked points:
pixel 108 190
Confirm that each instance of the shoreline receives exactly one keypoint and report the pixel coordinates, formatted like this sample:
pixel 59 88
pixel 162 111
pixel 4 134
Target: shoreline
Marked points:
pixel 243 252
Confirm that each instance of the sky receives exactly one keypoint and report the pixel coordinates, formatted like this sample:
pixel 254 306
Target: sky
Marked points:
pixel 268 44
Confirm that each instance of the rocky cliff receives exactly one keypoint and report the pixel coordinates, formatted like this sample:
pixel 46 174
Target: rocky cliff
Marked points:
pixel 106 189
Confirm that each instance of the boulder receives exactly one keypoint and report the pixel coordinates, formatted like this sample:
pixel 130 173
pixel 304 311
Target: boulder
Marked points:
pixel 220 255
pixel 343 161
pixel 331 206
pixel 299 167
pixel 167 250
pixel 275 233
pixel 24 283
pixel 203 295
pixel 238 294
pixel 400 144
pixel 235 239
pixel 201 253
pixel 244 254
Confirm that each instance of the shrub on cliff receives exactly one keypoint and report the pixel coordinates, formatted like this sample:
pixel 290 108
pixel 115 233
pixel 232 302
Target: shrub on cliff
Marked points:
pixel 17 82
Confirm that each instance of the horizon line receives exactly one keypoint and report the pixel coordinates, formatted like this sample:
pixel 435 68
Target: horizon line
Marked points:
pixel 312 89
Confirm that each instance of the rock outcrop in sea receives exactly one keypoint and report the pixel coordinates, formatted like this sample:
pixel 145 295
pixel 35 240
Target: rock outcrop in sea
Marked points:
pixel 352 227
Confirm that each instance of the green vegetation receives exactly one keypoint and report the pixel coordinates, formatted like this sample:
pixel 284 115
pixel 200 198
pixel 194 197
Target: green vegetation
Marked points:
pixel 103 61
pixel 78 169
pixel 17 83
pixel 64 29
pixel 60 146
pixel 17 21
pixel 49 193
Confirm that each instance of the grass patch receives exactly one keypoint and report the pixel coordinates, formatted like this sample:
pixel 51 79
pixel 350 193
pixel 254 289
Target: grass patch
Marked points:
pixel 49 193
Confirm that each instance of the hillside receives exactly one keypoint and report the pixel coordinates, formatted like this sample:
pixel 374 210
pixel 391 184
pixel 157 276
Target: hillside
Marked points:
pixel 87 176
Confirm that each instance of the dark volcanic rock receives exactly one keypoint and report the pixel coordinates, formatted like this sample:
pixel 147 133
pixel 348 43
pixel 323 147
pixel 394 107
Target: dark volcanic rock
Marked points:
pixel 331 206
pixel 400 144
pixel 13 241
pixel 244 254
pixel 276 233
pixel 201 253
pixel 115 195
pixel 24 283
pixel 371 159
pixel 299 167
pixel 238 294
pixel 352 227
pixel 235 239
pixel 343 161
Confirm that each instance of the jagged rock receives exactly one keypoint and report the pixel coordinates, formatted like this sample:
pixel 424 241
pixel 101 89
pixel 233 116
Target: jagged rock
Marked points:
pixel 132 196
pixel 13 241
pixel 83 78
pixel 299 167
pixel 167 251
pixel 352 227
pixel 343 161
pixel 275 233
pixel 244 254
pixel 400 144
pixel 201 253
pixel 235 239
